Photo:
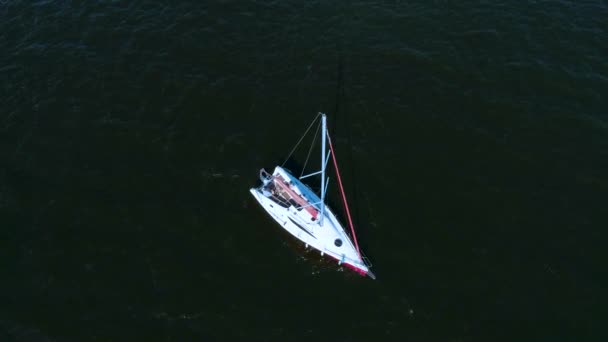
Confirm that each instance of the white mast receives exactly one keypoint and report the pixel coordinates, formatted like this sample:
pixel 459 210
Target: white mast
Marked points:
pixel 323 164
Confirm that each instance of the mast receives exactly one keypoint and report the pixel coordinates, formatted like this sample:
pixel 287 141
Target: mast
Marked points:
pixel 323 164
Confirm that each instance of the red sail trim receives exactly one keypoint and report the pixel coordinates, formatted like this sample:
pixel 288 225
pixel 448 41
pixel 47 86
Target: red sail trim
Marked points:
pixel 350 221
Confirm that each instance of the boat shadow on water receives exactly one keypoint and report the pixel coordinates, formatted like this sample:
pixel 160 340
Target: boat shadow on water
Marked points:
pixel 311 259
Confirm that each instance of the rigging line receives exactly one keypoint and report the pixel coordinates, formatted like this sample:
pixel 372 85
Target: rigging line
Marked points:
pixel 350 220
pixel 342 109
pixel 310 149
pixel 299 141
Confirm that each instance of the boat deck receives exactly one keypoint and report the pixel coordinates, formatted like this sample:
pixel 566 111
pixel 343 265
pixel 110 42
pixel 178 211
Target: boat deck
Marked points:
pixel 282 193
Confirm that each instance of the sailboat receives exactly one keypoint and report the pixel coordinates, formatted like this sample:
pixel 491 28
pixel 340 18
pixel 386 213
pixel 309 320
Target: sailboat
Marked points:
pixel 305 215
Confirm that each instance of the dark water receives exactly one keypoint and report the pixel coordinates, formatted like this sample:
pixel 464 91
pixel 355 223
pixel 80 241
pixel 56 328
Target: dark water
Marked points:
pixel 472 135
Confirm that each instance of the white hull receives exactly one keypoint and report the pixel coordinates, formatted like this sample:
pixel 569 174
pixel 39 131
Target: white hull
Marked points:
pixel 303 221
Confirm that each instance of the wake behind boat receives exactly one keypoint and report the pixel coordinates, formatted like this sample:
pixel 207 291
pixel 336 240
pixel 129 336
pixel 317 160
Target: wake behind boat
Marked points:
pixel 304 214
